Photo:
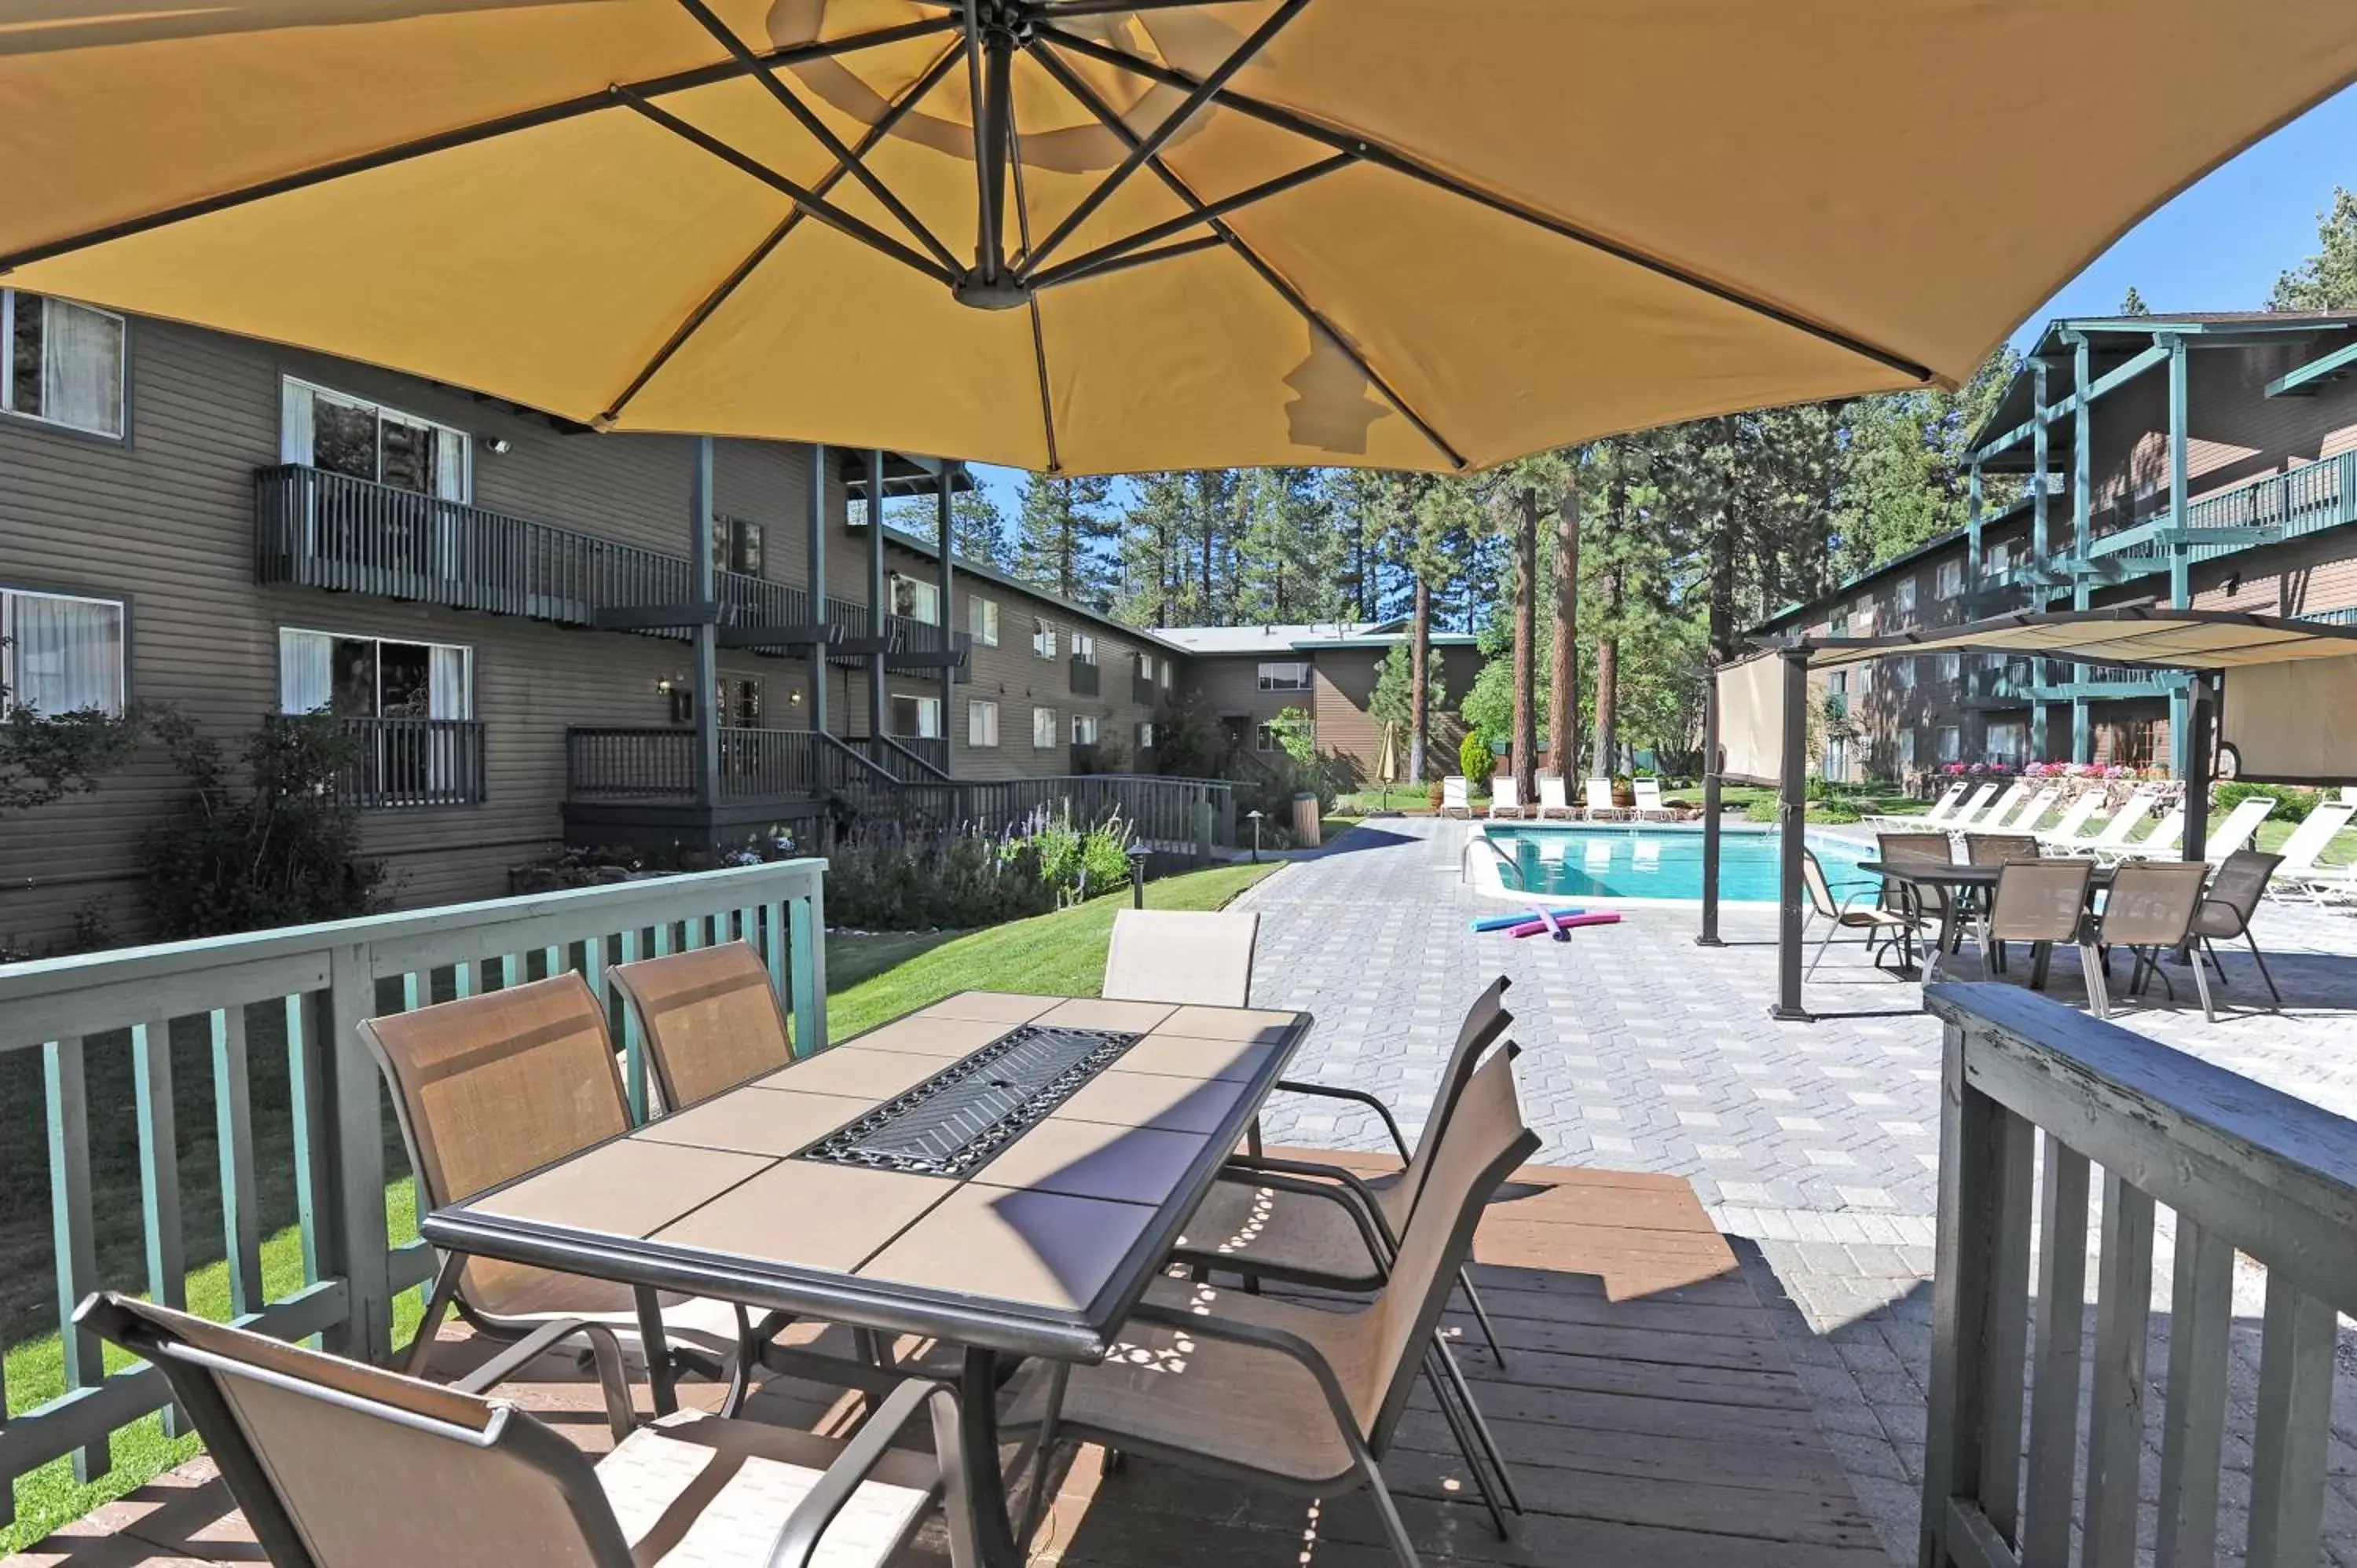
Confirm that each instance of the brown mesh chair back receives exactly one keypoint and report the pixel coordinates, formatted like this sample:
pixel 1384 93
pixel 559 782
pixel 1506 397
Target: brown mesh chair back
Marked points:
pixel 337 1464
pixel 711 1018
pixel 1995 849
pixel 2152 903
pixel 1929 898
pixel 2039 901
pixel 491 1087
pixel 2234 893
pixel 1484 1022
pixel 1484 1141
pixel 1821 894
pixel 1204 958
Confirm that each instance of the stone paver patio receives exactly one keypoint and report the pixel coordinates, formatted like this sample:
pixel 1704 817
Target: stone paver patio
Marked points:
pixel 1813 1146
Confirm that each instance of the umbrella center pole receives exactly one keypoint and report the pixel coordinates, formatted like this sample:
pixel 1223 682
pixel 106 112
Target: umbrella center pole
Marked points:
pixel 998 28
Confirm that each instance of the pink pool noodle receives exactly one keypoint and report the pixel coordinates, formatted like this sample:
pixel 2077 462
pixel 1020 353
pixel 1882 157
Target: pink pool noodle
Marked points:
pixel 1532 927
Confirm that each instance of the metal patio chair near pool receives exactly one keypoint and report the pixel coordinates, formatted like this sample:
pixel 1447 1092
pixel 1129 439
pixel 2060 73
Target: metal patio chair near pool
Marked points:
pixel 1925 904
pixel 1861 911
pixel 2150 911
pixel 2228 904
pixel 2044 903
pixel 339 1465
pixel 1199 957
pixel 1288 1396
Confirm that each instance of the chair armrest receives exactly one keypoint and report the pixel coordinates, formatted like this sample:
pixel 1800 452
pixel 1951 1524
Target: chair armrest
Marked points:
pixel 1334 1185
pixel 604 1348
pixel 1357 1097
pixel 1211 1325
pixel 799 1538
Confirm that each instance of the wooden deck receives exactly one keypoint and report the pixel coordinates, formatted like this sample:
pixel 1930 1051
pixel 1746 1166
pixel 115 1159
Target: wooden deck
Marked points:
pixel 1650 1414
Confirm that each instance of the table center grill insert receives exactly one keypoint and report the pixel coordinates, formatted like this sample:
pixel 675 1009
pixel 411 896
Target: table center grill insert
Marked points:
pixel 960 1116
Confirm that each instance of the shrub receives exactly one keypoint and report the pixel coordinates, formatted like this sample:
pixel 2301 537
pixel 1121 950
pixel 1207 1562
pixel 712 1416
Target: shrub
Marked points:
pixel 1475 761
pixel 2292 805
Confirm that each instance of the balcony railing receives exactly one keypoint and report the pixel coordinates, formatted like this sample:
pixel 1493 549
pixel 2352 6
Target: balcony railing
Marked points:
pixel 659 765
pixel 414 762
pixel 1142 691
pixel 273 1015
pixel 1085 681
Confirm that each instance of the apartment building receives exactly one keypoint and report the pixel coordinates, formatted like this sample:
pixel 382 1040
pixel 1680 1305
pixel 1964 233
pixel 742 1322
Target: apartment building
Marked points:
pixel 504 609
pixel 1242 677
pixel 2206 460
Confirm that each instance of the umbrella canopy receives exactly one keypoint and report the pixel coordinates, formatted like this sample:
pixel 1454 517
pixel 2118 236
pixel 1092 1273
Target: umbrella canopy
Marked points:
pixel 1097 236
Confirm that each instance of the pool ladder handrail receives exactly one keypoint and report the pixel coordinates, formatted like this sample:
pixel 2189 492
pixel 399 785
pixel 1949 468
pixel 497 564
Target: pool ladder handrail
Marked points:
pixel 1504 860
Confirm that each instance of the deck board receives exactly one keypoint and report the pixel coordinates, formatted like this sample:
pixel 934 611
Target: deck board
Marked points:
pixel 1650 1414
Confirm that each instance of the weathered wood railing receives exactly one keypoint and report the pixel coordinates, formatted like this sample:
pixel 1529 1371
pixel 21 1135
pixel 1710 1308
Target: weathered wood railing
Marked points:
pixel 2034 1095
pixel 310 985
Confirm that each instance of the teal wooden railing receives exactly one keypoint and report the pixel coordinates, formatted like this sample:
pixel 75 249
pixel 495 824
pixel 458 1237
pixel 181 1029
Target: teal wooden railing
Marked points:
pixel 303 989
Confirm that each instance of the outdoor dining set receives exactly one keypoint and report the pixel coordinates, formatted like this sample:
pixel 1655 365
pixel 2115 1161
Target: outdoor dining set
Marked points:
pixel 1015 1216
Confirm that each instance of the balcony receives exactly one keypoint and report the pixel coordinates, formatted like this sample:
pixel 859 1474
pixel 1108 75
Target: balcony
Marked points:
pixel 1086 680
pixel 905 642
pixel 2105 683
pixel 2307 499
pixel 413 762
pixel 1142 691
pixel 2006 687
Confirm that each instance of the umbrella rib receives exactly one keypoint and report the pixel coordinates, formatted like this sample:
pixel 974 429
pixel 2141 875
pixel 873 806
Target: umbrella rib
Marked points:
pixel 1071 83
pixel 809 201
pixel 1074 271
pixel 1096 259
pixel 1118 7
pixel 1143 150
pixel 604 99
pixel 728 286
pixel 1401 163
pixel 808 118
pixel 1031 300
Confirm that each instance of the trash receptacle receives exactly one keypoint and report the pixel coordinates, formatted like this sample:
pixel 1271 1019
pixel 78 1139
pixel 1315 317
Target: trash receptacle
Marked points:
pixel 1305 822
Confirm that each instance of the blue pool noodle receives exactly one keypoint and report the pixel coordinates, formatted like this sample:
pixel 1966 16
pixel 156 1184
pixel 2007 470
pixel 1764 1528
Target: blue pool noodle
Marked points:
pixel 1500 922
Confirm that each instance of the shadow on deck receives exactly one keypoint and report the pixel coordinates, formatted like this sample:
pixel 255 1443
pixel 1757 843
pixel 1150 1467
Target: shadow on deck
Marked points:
pixel 1650 1412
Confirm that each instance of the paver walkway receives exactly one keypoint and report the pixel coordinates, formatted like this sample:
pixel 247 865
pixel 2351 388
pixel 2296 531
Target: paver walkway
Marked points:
pixel 1814 1146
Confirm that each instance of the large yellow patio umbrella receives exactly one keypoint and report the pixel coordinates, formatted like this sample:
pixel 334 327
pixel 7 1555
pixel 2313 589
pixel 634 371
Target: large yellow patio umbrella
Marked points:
pixel 1406 233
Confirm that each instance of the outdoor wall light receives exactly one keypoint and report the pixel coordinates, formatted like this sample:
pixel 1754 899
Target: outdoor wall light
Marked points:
pixel 498 445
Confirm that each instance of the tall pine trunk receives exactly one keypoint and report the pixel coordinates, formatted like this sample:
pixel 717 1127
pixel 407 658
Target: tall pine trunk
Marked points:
pixel 1525 741
pixel 1607 638
pixel 1563 666
pixel 1419 661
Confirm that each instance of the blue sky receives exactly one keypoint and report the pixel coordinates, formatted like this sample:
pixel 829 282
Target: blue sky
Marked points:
pixel 2217 247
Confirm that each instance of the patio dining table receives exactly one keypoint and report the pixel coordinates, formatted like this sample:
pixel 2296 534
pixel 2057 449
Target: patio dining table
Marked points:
pixel 1962 877
pixel 1002 1174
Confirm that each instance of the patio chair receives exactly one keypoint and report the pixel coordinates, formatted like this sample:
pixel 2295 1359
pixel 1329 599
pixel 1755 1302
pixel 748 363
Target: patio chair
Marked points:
pixel 1925 904
pixel 2160 843
pixel 2033 812
pixel 2043 903
pixel 2150 911
pixel 1650 806
pixel 1599 807
pixel 1290 1396
pixel 1861 911
pixel 711 1019
pixel 339 1465
pixel 2227 906
pixel 2300 875
pixel 1942 809
pixel 2074 817
pixel 1505 796
pixel 1997 849
pixel 2115 831
pixel 1455 795
pixel 1201 957
pixel 1553 800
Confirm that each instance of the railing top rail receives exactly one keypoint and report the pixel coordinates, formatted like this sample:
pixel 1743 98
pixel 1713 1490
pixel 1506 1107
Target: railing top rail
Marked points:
pixel 2274 1175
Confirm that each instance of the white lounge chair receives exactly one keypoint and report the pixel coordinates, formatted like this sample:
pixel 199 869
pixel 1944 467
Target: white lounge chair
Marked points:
pixel 1455 795
pixel 2036 807
pixel 2115 828
pixel 2299 876
pixel 2074 817
pixel 1650 805
pixel 1553 800
pixel 1505 796
pixel 1600 808
pixel 1992 811
pixel 1942 809
pixel 2158 845
pixel 2233 833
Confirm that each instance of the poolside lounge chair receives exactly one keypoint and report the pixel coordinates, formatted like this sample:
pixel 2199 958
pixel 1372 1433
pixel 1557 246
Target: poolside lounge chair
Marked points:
pixel 2158 845
pixel 1287 1395
pixel 1553 800
pixel 1861 911
pixel 1942 809
pixel 339 1465
pixel 2033 811
pixel 711 1019
pixel 1992 811
pixel 2074 817
pixel 1203 957
pixel 2228 904
pixel 2115 831
pixel 2150 911
pixel 2233 833
pixel 1455 795
pixel 1599 807
pixel 2299 876
pixel 1650 806
pixel 1505 796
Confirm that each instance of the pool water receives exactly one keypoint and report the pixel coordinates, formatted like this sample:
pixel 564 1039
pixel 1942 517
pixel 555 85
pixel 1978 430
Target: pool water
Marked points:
pixel 1603 862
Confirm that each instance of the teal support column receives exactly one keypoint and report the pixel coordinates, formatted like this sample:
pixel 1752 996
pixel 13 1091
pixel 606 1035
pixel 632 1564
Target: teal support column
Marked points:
pixel 707 693
pixel 817 520
pixel 2042 545
pixel 2082 527
pixel 942 518
pixel 1973 528
pixel 2180 586
pixel 878 701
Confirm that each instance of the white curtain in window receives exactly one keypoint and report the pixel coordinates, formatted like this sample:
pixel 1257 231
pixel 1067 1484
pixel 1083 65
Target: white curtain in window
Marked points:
pixel 82 366
pixel 453 473
pixel 295 416
pixel 64 655
pixel 451 692
pixel 306 672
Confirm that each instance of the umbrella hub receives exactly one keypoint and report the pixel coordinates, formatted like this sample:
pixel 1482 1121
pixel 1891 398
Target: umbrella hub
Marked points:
pixel 1005 292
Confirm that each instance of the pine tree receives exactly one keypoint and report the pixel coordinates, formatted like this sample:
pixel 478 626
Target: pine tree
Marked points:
pixel 1061 535
pixel 1288 562
pixel 2327 280
pixel 2134 303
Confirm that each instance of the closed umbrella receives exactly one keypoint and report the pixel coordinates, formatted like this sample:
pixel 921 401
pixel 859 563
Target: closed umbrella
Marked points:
pixel 1110 235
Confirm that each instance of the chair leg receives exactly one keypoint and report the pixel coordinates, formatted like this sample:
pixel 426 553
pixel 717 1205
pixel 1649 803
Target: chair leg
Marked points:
pixel 1476 1462
pixel 2202 983
pixel 2099 999
pixel 437 1306
pixel 1832 931
pixel 1043 1454
pixel 1481 1316
pixel 1479 1425
pixel 1387 1511
pixel 2259 958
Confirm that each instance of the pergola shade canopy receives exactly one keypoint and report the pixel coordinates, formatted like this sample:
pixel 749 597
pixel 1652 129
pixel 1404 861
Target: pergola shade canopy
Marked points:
pixel 1101 237
pixel 2134 636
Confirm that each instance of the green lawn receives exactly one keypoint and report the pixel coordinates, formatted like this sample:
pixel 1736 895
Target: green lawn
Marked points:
pixel 870 979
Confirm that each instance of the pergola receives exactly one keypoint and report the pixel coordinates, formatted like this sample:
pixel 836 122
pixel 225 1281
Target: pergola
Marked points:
pixel 2292 718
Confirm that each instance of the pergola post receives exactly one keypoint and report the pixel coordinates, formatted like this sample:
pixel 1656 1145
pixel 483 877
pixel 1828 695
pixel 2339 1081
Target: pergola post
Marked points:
pixel 817 524
pixel 2040 539
pixel 948 603
pixel 706 689
pixel 2180 591
pixel 2083 531
pixel 878 706
pixel 1792 812
pixel 1712 783
pixel 2201 721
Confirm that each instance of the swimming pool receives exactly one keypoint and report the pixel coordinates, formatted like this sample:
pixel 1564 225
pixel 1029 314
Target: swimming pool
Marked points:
pixel 1655 861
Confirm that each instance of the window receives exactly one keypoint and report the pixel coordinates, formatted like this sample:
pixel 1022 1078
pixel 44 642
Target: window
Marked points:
pixel 1950 583
pixel 1044 737
pixel 1145 736
pixel 743 697
pixel 915 718
pixel 63 363
pixel 1043 638
pixel 1084 730
pixel 1864 679
pixel 1836 763
pixel 1146 668
pixel 2004 743
pixel 1265 737
pixel 362 440
pixel 1085 647
pixel 736 544
pixel 1903 672
pixel 60 654
pixel 916 599
pixel 1952 667
pixel 982 620
pixel 374 677
pixel 1166 674
pixel 1906 749
pixel 1286 677
pixel 1902 600
pixel 981 722
pixel 1837 624
pixel 1861 615
pixel 1951 744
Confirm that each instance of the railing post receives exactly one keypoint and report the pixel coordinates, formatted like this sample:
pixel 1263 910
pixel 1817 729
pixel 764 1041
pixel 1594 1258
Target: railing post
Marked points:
pixel 1203 825
pixel 356 1240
